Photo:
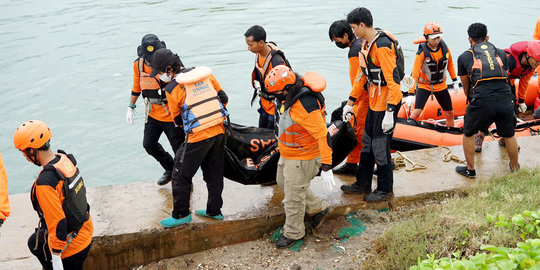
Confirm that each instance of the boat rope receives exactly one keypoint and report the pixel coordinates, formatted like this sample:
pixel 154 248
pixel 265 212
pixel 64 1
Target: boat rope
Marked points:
pixel 415 166
pixel 447 157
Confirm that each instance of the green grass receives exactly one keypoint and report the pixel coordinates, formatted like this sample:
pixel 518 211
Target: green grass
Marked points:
pixel 459 225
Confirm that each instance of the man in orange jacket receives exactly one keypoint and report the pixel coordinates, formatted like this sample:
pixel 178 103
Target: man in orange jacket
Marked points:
pixel 380 78
pixel 267 56
pixel 158 116
pixel 64 234
pixel 5 209
pixel 303 141
pixel 198 103
pixel 341 33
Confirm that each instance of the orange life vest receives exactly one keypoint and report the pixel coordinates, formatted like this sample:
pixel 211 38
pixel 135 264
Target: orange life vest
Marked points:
pixel 150 86
pixel 202 108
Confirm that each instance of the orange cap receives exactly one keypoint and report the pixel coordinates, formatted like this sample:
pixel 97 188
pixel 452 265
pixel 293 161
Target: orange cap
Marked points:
pixel 31 134
pixel 279 78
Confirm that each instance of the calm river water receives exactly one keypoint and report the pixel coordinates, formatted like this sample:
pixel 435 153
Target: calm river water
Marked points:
pixel 69 63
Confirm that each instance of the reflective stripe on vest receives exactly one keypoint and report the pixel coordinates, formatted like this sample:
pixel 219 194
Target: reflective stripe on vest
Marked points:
pixel 434 69
pixel 287 130
pixel 487 64
pixel 202 108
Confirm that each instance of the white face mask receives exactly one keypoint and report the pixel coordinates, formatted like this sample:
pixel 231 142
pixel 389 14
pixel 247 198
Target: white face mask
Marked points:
pixel 165 78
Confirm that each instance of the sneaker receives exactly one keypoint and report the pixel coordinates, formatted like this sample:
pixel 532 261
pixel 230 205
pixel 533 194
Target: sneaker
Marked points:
pixel 466 172
pixel 202 213
pixel 478 141
pixel 513 170
pixel 355 189
pixel 171 222
pixel 318 219
pixel 378 196
pixel 347 169
pixel 165 178
pixel 284 242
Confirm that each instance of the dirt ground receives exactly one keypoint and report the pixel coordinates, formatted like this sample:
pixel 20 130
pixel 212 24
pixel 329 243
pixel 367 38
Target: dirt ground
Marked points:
pixel 326 250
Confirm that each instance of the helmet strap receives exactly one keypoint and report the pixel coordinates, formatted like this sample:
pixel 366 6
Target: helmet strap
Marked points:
pixel 31 153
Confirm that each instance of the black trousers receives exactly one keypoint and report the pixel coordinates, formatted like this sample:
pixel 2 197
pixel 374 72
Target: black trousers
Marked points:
pixel 152 131
pixel 376 150
pixel 43 253
pixel 208 154
pixel 265 120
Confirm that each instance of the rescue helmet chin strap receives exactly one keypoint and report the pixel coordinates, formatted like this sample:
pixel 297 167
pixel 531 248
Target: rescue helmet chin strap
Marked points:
pixel 31 153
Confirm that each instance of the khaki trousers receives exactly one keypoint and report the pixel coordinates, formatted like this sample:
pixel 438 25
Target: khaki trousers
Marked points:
pixel 293 178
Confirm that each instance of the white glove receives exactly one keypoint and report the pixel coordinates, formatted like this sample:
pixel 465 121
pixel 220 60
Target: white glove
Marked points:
pixel 522 107
pixel 410 100
pixel 387 122
pixel 456 88
pixel 328 179
pixel 408 81
pixel 129 116
pixel 347 113
pixel 57 262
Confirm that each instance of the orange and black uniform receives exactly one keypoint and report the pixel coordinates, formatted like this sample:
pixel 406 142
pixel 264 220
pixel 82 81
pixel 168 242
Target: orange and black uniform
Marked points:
pixel 263 65
pixel 301 128
pixel 517 71
pixel 378 75
pixel 48 198
pixel 159 117
pixel 429 74
pixel 360 106
pixel 5 208
pixel 204 149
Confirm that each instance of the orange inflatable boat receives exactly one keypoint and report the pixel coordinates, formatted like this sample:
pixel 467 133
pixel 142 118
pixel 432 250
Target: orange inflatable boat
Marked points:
pixel 412 134
pixel 433 110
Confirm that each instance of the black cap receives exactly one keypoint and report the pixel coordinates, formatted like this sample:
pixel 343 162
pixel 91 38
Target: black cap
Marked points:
pixel 161 59
pixel 149 44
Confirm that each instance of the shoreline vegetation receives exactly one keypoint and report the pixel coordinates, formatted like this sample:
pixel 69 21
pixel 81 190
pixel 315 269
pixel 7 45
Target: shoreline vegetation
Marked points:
pixel 461 226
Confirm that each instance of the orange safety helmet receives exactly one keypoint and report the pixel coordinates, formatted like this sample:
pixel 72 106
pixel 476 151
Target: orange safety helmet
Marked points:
pixel 279 78
pixel 432 28
pixel 31 134
pixel 533 49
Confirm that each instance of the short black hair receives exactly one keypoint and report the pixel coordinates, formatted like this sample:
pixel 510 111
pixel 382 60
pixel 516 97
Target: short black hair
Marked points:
pixel 257 32
pixel 477 32
pixel 339 29
pixel 360 15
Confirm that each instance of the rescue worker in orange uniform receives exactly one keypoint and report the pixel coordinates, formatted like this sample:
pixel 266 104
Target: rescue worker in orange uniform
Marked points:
pixel 158 118
pixel 5 208
pixel 64 233
pixel 536 36
pixel 341 33
pixel 483 71
pixel 304 144
pixel 432 60
pixel 197 102
pixel 268 55
pixel 380 77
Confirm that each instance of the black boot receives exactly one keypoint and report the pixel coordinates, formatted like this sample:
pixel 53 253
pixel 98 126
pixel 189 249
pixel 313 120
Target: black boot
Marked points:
pixel 165 178
pixel 355 189
pixel 318 219
pixel 284 242
pixel 378 196
pixel 347 169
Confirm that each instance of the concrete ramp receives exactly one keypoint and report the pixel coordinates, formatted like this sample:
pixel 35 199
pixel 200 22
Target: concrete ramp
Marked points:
pixel 126 217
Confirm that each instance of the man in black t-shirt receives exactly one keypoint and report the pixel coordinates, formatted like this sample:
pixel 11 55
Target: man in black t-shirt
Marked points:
pixel 484 74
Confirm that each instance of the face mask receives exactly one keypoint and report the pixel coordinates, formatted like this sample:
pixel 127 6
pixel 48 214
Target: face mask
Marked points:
pixel 165 78
pixel 341 45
